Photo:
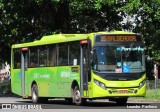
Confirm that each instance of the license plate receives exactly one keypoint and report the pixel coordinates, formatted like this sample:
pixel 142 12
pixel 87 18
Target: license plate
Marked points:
pixel 123 91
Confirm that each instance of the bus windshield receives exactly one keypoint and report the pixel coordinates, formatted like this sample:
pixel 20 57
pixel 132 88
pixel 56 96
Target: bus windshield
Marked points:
pixel 119 59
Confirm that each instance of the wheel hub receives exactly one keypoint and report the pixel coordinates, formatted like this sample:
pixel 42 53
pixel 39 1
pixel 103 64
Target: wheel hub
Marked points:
pixel 34 95
pixel 77 95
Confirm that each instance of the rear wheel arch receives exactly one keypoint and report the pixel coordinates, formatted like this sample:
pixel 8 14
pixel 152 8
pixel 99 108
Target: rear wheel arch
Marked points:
pixel 76 95
pixel 35 94
pixel 33 82
pixel 74 83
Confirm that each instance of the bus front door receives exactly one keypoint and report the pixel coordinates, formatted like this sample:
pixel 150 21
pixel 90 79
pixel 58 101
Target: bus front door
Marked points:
pixel 24 66
pixel 84 70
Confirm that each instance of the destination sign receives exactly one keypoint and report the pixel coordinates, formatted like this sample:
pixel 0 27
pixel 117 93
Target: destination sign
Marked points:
pixel 117 38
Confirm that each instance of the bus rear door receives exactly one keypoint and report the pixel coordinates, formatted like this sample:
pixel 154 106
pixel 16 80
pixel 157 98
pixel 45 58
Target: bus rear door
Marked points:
pixel 24 67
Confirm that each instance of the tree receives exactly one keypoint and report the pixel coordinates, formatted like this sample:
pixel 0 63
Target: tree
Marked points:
pixel 147 22
pixel 94 15
pixel 28 20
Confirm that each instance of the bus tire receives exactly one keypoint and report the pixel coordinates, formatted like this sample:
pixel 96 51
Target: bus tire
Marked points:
pixel 35 96
pixel 121 101
pixel 77 96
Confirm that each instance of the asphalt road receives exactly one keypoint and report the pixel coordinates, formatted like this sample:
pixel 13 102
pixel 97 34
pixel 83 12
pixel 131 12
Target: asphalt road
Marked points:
pixel 62 104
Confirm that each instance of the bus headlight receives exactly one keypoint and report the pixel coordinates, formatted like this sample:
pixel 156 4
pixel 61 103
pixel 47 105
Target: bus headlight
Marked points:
pixel 100 84
pixel 142 84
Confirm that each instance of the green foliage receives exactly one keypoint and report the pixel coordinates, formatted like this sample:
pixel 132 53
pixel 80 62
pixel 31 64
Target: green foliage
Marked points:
pixel 5 87
pixel 153 94
pixel 28 20
pixel 98 15
pixel 147 21
pixel 130 6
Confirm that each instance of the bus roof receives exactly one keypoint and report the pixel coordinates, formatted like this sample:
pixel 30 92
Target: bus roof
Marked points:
pixel 114 32
pixel 57 38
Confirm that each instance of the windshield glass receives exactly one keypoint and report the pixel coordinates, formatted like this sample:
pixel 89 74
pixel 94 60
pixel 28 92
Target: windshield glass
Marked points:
pixel 119 59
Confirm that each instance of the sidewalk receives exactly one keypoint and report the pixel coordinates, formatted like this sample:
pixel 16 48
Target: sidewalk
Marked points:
pixel 143 100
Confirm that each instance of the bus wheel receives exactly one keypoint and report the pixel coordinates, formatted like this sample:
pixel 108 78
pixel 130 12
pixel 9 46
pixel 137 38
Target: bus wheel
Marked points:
pixel 77 96
pixel 121 101
pixel 35 97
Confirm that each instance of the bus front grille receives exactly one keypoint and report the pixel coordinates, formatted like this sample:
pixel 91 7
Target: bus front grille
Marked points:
pixel 121 91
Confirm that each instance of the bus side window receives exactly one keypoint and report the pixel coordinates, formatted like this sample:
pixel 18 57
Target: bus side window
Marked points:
pixel 43 56
pixel 52 55
pixel 17 58
pixel 33 57
pixel 74 53
pixel 63 54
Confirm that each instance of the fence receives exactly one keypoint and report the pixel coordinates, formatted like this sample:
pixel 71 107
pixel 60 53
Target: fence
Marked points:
pixel 153 89
pixel 153 84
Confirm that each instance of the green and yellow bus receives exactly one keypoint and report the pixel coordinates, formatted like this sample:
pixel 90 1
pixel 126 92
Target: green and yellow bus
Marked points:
pixel 80 67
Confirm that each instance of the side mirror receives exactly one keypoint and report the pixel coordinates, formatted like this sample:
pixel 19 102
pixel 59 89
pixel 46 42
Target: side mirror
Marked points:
pixel 91 57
